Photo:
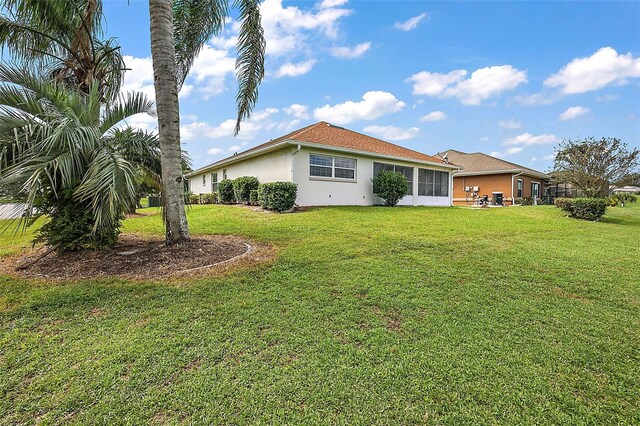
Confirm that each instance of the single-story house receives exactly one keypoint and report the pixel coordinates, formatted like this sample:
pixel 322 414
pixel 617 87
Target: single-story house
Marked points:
pixel 502 182
pixel 628 189
pixel 333 166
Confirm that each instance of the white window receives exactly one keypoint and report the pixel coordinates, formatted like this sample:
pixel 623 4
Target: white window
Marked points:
pixel 224 174
pixel 406 171
pixel 433 183
pixel 322 166
pixel 519 188
pixel 214 182
pixel 204 180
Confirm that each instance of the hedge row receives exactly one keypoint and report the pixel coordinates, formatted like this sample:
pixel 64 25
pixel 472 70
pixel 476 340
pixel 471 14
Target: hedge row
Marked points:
pixel 583 208
pixel 278 196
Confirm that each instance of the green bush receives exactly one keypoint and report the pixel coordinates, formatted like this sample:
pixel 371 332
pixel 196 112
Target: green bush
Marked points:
pixel 253 197
pixel 193 198
pixel 524 201
pixel 243 186
pixel 279 196
pixel 390 186
pixel 210 198
pixel 624 197
pixel 583 208
pixel 612 201
pixel 225 192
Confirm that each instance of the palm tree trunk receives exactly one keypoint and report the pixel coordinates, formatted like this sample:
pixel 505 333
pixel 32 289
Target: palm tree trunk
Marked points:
pixel 164 75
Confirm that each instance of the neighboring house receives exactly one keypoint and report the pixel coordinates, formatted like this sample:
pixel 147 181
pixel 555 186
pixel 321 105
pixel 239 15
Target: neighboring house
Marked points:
pixel 628 189
pixel 333 166
pixel 499 180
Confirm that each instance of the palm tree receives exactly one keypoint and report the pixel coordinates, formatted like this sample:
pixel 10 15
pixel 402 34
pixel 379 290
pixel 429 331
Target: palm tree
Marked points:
pixel 67 155
pixel 179 29
pixel 65 36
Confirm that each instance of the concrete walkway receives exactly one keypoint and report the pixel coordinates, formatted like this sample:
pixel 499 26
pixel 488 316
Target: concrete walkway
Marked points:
pixel 11 211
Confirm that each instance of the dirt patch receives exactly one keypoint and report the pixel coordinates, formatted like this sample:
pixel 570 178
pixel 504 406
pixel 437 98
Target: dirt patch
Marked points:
pixel 141 257
pixel 393 321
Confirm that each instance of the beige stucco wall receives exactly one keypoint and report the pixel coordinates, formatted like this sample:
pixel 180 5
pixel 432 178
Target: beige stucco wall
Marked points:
pixel 270 167
pixel 323 192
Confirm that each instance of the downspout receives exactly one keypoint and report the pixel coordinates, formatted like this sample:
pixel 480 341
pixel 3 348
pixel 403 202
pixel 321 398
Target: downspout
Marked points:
pixel 513 200
pixel 293 162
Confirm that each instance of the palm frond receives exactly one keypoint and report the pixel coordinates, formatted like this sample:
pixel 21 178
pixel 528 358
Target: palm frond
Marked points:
pixel 250 60
pixel 194 22
pixel 126 106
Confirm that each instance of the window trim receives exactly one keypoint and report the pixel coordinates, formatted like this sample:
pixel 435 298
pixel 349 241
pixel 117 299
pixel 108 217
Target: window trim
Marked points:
pixel 447 180
pixel 519 190
pixel 413 173
pixel 214 182
pixel 539 188
pixel 333 168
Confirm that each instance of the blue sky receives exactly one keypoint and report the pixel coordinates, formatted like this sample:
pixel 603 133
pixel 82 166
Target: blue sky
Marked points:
pixel 505 78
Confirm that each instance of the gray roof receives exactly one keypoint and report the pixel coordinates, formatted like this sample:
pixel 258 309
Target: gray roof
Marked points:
pixel 477 163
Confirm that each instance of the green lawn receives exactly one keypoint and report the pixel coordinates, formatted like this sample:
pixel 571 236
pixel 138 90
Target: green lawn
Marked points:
pixel 368 316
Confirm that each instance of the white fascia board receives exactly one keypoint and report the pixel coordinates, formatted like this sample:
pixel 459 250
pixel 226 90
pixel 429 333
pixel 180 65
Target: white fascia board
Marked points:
pixel 371 154
pixel 293 142
pixel 499 172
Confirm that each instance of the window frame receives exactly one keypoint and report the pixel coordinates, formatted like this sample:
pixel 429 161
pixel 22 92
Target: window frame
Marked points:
pixel 434 183
pixel 214 182
pixel 386 168
pixel 519 188
pixel 539 187
pixel 204 179
pixel 333 168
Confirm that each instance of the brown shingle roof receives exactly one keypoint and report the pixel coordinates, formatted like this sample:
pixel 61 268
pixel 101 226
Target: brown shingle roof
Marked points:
pixel 333 136
pixel 478 162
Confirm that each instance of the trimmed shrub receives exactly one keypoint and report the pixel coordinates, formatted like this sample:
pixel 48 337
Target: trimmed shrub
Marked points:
pixel 524 201
pixel 612 201
pixel 243 186
pixel 253 197
pixel 225 192
pixel 193 198
pixel 583 208
pixel 278 196
pixel 210 198
pixel 390 186
pixel 624 197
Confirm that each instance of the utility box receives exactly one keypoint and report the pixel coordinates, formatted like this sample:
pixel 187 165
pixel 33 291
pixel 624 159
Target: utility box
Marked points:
pixel 154 201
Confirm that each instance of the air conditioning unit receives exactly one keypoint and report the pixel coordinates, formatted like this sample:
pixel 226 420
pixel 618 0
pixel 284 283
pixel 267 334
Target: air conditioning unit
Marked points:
pixel 476 188
pixel 467 188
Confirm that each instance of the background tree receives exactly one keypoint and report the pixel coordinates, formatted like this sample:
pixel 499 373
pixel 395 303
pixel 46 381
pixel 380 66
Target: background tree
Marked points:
pixel 179 29
pixel 65 154
pixel 592 165
pixel 65 38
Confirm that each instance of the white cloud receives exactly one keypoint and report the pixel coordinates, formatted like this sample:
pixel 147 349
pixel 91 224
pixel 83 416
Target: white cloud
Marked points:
pixel 214 151
pixel 234 148
pixel 326 4
pixel 260 120
pixel 527 139
pixel 542 98
pixel 549 157
pixel 482 84
pixel 293 70
pixel 534 159
pixel 346 52
pixel 573 112
pixel 607 98
pixel 509 124
pixel 142 122
pixel 373 105
pixel 603 68
pixel 484 138
pixel 298 111
pixel 411 23
pixel 210 70
pixel 139 76
pixel 434 116
pixel 393 133
pixel 506 153
pixel 286 28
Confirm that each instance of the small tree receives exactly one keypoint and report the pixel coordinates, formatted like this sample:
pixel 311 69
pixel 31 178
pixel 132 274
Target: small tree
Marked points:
pixel 390 186
pixel 592 165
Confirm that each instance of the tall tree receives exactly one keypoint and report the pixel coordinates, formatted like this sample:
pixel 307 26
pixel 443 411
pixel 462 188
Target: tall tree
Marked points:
pixel 592 165
pixel 64 37
pixel 179 29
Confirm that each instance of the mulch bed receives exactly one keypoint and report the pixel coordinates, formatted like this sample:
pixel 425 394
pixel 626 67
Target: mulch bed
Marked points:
pixel 142 257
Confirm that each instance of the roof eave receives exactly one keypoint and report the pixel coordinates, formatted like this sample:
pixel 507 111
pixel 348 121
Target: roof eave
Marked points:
pixel 499 172
pixel 371 154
